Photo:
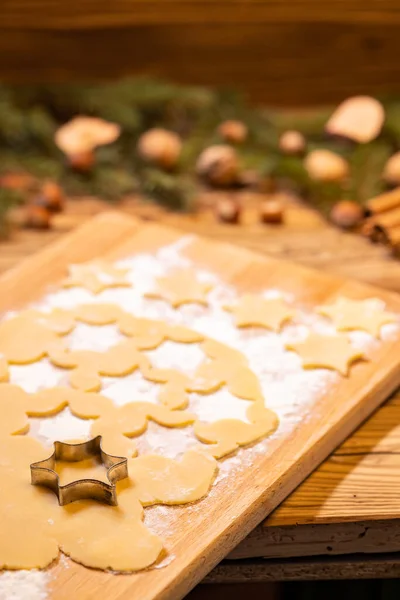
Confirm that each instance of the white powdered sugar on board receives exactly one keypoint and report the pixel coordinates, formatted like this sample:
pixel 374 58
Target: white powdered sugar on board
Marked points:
pixel 23 585
pixel 288 389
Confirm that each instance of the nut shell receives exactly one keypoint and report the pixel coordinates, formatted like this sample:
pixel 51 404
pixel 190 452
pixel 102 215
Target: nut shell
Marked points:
pixel 324 165
pixel 292 142
pixel 218 165
pixel 346 214
pixel 227 210
pixel 160 147
pixel 234 132
pixel 272 211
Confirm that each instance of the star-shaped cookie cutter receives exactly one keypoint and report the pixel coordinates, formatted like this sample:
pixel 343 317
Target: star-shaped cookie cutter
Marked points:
pixel 43 473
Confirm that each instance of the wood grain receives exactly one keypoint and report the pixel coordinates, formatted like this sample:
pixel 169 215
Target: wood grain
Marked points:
pixel 86 14
pixel 318 53
pixel 329 539
pixel 199 545
pixel 307 569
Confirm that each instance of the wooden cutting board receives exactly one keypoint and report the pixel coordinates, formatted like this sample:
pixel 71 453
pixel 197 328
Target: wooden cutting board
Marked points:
pixel 226 516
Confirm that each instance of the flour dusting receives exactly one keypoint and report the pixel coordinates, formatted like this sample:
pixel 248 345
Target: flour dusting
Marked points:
pixel 23 585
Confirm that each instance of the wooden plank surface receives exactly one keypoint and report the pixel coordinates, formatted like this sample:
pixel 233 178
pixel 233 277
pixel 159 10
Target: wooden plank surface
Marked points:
pixel 290 53
pixel 307 569
pixel 307 446
pixel 86 14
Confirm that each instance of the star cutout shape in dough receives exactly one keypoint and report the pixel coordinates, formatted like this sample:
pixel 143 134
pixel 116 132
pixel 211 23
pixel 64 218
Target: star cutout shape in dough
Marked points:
pixel 348 315
pixel 252 310
pixel 181 287
pixel 96 276
pixel 333 352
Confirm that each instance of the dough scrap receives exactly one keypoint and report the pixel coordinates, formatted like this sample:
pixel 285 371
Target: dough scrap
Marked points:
pixel 333 352
pixel 227 435
pixel 131 419
pixel 104 537
pixel 349 315
pixel 240 380
pixel 4 372
pixel 88 365
pixel 160 480
pixel 31 335
pixel 181 287
pixel 13 404
pixel 27 512
pixel 173 394
pixel 147 333
pixel 256 311
pixel 96 276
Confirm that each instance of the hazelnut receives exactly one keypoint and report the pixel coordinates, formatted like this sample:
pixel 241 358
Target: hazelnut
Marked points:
pixel 234 132
pixel 160 147
pixel 36 217
pixel 324 165
pixel 82 162
pixel 359 118
pixel 391 171
pixel 17 181
pixel 292 142
pixel 51 197
pixel 271 211
pixel 346 214
pixel 227 210
pixel 218 165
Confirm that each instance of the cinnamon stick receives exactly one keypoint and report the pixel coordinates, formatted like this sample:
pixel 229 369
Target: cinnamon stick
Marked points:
pixel 388 219
pixel 378 228
pixel 383 202
pixel 393 237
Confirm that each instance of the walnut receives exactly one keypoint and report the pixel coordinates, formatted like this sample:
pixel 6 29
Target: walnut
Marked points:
pixel 160 147
pixel 292 142
pixel 324 165
pixel 234 132
pixel 218 165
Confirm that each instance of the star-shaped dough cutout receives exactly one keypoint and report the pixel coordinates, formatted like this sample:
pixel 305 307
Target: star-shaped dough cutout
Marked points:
pixel 333 352
pixel 181 287
pixel 256 311
pixel 348 315
pixel 96 276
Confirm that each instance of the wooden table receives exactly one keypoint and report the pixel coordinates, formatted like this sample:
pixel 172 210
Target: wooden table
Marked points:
pixel 351 504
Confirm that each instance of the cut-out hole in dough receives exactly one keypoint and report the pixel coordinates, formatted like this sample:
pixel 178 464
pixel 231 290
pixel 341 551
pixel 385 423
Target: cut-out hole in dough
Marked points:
pixel 60 427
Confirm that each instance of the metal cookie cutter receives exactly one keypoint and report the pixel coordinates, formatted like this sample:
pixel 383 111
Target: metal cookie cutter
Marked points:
pixel 43 473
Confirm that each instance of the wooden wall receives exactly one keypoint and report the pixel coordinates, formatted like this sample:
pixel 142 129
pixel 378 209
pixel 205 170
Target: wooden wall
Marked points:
pixel 281 51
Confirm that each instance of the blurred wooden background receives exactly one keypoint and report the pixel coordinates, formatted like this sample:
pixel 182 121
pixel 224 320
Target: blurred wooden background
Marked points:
pixel 285 52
